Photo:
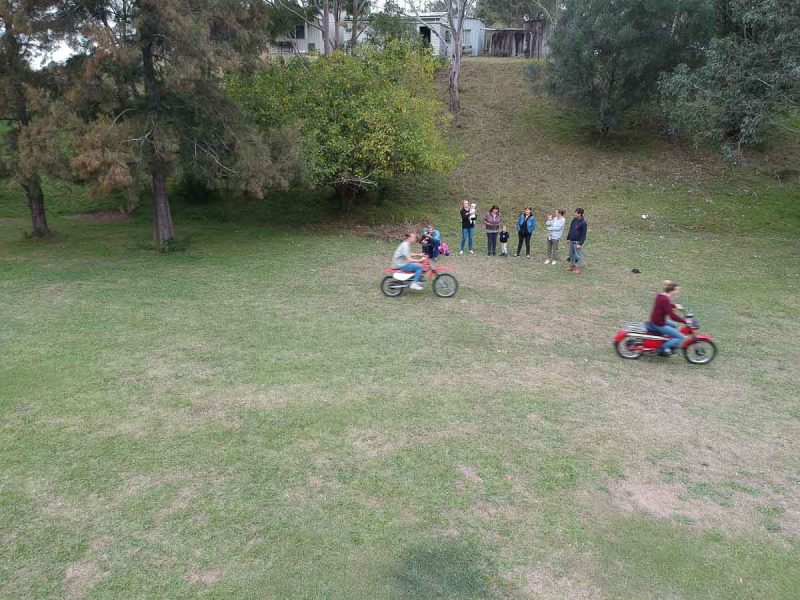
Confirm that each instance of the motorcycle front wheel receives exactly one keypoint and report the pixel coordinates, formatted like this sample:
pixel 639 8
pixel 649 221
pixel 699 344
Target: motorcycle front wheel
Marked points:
pixel 700 352
pixel 445 285
pixel 626 348
pixel 391 287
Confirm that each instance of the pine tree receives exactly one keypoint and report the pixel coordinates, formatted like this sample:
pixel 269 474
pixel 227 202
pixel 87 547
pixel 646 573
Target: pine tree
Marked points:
pixel 28 27
pixel 150 92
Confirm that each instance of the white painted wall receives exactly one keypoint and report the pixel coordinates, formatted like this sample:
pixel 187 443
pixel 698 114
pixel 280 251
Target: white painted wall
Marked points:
pixel 473 32
pixel 312 39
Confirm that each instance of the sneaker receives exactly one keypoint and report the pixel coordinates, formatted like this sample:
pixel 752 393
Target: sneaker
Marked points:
pixel 471 252
pixel 461 253
pixel 416 286
pixel 553 263
pixel 547 262
pixel 665 353
pixel 516 255
pixel 527 256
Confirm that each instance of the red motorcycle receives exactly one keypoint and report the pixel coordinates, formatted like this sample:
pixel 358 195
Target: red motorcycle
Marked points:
pixel 396 282
pixel 635 339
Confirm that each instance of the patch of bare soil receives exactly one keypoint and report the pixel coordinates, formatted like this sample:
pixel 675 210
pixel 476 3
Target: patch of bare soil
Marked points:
pixel 471 473
pixel 537 582
pixel 82 577
pixel 204 577
pixel 656 499
pixel 104 217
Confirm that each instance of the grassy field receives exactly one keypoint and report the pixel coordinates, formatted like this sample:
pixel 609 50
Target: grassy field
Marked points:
pixel 250 418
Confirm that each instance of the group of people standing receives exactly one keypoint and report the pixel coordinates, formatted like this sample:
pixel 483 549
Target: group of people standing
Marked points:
pixel 525 225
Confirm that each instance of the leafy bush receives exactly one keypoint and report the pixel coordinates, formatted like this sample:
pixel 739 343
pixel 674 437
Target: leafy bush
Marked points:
pixel 363 118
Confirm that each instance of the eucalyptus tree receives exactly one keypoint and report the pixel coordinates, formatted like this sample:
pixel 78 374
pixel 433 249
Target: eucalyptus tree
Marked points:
pixel 608 56
pixel 748 81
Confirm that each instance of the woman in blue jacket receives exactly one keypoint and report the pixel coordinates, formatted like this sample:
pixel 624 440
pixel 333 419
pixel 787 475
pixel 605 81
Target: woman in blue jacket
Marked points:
pixel 526 225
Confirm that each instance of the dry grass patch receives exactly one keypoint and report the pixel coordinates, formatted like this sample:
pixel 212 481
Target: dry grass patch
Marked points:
pixel 80 578
pixel 537 582
pixel 204 577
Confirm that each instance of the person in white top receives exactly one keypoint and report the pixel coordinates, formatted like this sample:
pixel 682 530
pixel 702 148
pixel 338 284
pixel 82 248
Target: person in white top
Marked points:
pixel 555 229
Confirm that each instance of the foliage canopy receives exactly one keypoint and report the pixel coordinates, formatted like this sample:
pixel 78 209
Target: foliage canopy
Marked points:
pixel 607 55
pixel 364 118
pixel 748 81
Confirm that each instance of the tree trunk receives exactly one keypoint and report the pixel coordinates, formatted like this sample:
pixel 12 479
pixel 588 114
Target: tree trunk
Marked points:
pixel 33 190
pixel 455 71
pixel 163 234
pixel 347 196
pixel 455 21
pixel 354 33
pixel 326 19
pixel 19 106
pixel 337 18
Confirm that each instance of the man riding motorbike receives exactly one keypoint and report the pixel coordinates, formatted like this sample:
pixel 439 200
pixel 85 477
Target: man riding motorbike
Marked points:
pixel 663 318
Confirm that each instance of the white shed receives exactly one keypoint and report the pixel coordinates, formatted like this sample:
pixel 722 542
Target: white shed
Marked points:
pixel 435 30
pixel 305 38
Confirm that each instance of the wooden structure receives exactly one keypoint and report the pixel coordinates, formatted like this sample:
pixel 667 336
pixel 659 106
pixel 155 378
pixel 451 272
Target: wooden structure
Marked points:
pixel 529 41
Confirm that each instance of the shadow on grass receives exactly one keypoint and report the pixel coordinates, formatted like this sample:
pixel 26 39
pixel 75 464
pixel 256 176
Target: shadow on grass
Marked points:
pixel 441 569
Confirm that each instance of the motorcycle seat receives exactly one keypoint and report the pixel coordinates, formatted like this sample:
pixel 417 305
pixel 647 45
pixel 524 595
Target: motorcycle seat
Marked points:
pixel 634 327
pixel 402 275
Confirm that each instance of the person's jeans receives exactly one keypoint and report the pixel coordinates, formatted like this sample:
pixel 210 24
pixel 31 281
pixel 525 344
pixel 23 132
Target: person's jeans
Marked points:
pixel 491 242
pixel 552 249
pixel 575 254
pixel 527 240
pixel 669 329
pixel 414 268
pixel 431 249
pixel 467 234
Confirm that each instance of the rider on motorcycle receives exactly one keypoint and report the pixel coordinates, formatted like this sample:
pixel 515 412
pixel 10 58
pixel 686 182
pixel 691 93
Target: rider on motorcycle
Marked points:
pixel 663 307
pixel 410 263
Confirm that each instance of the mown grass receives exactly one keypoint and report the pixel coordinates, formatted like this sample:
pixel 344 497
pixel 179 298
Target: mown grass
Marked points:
pixel 249 417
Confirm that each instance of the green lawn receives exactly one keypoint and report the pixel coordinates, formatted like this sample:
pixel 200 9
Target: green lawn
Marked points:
pixel 250 418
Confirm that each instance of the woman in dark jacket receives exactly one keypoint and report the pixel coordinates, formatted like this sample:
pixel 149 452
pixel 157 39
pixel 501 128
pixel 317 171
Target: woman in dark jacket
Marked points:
pixel 526 225
pixel 467 227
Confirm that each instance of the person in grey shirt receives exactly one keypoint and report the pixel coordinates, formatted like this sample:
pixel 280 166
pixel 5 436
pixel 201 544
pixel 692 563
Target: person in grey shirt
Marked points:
pixel 404 260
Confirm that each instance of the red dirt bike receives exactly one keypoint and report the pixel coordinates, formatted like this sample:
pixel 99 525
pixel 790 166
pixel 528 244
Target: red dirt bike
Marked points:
pixel 396 282
pixel 635 339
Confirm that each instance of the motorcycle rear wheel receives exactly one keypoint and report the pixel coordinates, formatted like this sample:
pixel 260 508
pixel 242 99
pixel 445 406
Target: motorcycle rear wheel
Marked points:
pixel 445 285
pixel 700 352
pixel 623 348
pixel 391 287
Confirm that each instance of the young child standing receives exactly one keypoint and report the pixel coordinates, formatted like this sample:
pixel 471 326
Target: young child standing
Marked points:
pixel 555 229
pixel 503 241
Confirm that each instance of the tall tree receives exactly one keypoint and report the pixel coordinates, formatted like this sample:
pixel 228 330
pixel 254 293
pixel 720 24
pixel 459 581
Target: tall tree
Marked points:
pixel 748 81
pixel 457 12
pixel 359 14
pixel 151 93
pixel 608 56
pixel 29 29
